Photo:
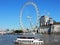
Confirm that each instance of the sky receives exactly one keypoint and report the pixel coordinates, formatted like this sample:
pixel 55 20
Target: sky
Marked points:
pixel 10 12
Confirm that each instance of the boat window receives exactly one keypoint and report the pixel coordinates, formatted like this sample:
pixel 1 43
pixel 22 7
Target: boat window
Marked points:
pixel 27 37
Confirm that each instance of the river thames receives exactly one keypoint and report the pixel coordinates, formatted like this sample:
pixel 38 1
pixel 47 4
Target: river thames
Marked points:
pixel 8 39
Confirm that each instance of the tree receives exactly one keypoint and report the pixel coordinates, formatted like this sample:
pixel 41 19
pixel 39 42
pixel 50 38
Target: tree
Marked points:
pixel 18 31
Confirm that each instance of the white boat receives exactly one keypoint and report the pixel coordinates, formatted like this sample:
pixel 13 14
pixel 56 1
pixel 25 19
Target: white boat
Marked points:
pixel 28 40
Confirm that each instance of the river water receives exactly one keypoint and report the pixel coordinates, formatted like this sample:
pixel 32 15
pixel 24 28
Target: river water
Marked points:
pixel 8 39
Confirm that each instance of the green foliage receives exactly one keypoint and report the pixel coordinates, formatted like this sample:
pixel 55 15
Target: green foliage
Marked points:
pixel 18 31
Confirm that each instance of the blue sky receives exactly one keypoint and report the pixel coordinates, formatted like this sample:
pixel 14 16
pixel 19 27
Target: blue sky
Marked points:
pixel 10 12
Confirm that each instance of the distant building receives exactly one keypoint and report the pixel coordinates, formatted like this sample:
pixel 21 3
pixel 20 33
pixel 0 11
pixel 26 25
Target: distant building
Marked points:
pixel 2 32
pixel 56 27
pixel 25 31
pixel 48 25
pixel 45 20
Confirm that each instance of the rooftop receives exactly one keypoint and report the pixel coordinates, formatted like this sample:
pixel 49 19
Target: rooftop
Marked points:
pixel 56 23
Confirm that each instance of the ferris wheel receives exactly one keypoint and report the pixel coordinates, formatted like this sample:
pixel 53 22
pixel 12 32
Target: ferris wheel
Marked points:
pixel 29 17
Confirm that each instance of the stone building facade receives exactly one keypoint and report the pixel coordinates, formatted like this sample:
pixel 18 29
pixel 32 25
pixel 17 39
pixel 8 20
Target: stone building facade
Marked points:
pixel 48 25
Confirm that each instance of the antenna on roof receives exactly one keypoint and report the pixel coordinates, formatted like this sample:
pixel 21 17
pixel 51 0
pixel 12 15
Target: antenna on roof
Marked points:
pixel 48 13
pixel 44 13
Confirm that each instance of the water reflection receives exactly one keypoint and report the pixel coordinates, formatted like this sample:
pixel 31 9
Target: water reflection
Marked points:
pixel 48 39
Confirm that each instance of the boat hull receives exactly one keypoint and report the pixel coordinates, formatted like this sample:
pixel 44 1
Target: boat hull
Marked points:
pixel 28 41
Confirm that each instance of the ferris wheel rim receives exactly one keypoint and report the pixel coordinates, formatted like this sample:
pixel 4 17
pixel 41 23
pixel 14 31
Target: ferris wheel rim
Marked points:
pixel 28 3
